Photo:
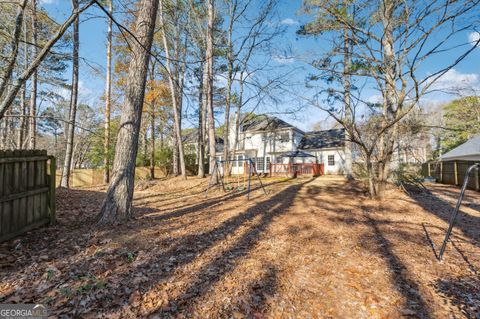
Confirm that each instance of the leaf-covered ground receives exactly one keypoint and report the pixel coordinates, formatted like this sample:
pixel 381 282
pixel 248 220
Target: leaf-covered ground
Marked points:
pixel 310 248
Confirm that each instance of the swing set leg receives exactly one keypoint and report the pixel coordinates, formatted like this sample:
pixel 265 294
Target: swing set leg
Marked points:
pixel 256 173
pixel 249 174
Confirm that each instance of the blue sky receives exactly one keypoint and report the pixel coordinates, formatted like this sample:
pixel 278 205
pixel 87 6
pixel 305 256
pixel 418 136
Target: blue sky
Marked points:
pixel 289 52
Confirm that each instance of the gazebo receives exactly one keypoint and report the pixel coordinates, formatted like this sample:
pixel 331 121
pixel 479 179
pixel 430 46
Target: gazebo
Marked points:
pixel 468 151
pixel 296 169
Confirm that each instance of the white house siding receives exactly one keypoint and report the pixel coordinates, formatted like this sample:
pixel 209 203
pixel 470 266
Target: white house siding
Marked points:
pixel 266 145
pixel 322 158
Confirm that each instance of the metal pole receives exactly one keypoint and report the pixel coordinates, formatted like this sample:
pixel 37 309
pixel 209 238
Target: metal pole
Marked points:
pixel 457 208
pixel 221 175
pixel 249 174
pixel 260 180
pixel 210 180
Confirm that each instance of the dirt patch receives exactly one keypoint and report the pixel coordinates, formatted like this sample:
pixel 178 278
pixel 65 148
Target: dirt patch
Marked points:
pixel 308 249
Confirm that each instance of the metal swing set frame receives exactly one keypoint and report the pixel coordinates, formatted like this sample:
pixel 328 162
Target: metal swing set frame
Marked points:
pixel 220 174
pixel 454 215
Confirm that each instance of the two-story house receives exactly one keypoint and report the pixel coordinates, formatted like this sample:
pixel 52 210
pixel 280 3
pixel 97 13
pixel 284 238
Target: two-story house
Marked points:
pixel 265 139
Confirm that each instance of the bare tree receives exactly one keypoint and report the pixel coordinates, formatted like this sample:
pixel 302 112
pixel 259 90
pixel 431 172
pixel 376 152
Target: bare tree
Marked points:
pixel 175 79
pixel 257 39
pixel 209 83
pixel 118 202
pixel 108 97
pixel 8 93
pixel 201 124
pixel 22 132
pixel 67 165
pixel 10 64
pixel 390 40
pixel 32 130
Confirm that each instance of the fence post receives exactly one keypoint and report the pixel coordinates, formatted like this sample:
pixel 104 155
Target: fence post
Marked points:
pixel 477 180
pixel 429 169
pixel 441 172
pixel 53 171
pixel 455 172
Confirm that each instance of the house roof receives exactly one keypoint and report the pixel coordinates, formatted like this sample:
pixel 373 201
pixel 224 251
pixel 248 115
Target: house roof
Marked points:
pixel 323 139
pixel 469 151
pixel 297 153
pixel 191 137
pixel 263 122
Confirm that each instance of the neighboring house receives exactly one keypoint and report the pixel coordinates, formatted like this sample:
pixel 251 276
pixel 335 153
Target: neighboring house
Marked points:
pixel 264 139
pixel 190 142
pixel 468 151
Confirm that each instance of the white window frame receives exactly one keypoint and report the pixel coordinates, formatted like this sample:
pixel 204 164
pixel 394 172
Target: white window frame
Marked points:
pixel 331 160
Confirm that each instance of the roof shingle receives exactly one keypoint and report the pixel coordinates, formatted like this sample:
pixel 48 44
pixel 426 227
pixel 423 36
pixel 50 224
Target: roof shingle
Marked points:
pixel 323 139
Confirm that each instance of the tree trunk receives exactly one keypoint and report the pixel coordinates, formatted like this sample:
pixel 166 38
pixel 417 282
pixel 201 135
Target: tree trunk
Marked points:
pixel 371 178
pixel 348 110
pixel 228 97
pixel 238 116
pixel 65 181
pixel 118 202
pixel 145 155
pixel 385 149
pixel 152 141
pixel 8 64
pixel 152 126
pixel 23 94
pixel 201 121
pixel 176 94
pixel 209 87
pixel 108 93
pixel 32 129
pixel 175 168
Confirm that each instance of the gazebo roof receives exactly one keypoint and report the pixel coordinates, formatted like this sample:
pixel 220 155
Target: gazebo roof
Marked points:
pixel 297 153
pixel 468 151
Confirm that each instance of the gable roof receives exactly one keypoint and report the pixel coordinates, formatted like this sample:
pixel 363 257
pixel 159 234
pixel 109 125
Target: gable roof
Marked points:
pixel 263 122
pixel 191 137
pixel 323 139
pixel 470 150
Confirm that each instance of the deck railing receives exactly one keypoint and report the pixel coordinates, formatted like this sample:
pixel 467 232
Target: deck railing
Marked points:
pixel 297 169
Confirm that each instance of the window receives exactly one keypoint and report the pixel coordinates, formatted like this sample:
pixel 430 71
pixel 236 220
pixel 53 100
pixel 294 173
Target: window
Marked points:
pixel 284 137
pixel 268 162
pixel 331 160
pixel 259 163
pixel 239 162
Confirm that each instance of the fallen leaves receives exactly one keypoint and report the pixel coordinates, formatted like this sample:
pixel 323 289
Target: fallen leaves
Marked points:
pixel 293 253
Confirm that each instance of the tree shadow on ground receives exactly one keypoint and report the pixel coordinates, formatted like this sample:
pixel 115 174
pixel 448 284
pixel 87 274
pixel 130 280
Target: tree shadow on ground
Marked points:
pixel 186 250
pixel 218 267
pixel 467 223
pixel 374 238
pixel 399 272
pixel 180 211
pixel 158 264
pixel 463 292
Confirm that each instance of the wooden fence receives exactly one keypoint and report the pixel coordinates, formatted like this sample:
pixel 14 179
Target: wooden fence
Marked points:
pixel 27 191
pixel 452 173
pixel 297 169
pixel 86 177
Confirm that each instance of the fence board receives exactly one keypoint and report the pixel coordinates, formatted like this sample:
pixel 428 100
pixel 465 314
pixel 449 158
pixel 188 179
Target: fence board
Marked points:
pixel 452 173
pixel 26 192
